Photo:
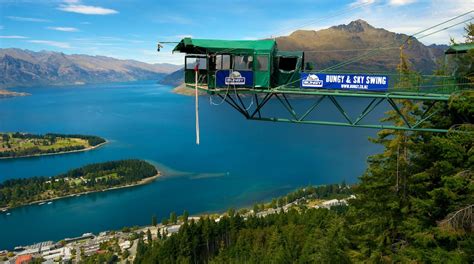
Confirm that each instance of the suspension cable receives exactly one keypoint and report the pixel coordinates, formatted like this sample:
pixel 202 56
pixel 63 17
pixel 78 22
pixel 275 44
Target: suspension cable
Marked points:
pixel 406 41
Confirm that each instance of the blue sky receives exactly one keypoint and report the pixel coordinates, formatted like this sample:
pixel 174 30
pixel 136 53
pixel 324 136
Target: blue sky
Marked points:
pixel 129 29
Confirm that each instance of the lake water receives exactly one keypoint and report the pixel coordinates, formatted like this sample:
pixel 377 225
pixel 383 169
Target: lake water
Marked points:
pixel 238 163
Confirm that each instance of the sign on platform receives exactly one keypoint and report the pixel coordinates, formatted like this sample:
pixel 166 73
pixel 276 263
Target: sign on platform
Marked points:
pixel 225 78
pixel 344 81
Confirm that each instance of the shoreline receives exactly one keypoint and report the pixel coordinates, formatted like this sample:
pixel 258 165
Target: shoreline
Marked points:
pixel 141 182
pixel 58 153
pixel 4 93
pixel 183 90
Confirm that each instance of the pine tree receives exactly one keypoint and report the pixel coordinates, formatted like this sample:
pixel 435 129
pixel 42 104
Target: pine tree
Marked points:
pixel 153 220
pixel 173 218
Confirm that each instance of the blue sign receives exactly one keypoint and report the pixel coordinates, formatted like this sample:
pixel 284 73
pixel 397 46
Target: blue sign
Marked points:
pixel 225 78
pixel 344 81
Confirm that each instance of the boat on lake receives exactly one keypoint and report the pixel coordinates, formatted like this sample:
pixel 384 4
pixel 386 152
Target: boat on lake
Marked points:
pixel 41 203
pixel 50 202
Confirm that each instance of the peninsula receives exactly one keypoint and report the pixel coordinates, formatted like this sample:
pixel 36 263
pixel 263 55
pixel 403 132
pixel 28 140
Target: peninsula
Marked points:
pixel 86 179
pixel 6 93
pixel 20 145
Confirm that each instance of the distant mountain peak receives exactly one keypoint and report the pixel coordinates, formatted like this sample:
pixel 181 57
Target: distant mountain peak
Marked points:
pixel 355 26
pixel 330 46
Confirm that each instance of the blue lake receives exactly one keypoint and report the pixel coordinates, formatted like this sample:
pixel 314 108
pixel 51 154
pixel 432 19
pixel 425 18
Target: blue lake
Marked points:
pixel 238 163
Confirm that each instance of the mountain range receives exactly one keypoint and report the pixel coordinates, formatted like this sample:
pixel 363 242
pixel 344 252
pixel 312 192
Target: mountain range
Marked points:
pixel 323 48
pixel 28 68
pixel 328 47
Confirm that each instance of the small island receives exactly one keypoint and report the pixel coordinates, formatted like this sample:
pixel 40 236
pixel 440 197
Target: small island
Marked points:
pixel 20 145
pixel 6 94
pixel 90 178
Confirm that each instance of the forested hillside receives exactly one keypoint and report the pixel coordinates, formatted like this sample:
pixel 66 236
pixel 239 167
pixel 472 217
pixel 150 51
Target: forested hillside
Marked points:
pixel 414 204
pixel 89 178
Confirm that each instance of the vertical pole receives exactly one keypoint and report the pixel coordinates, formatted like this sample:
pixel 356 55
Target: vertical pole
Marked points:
pixel 197 105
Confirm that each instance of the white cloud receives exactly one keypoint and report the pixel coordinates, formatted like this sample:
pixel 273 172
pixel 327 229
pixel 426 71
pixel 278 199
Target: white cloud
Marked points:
pixel 13 37
pixel 57 44
pixel 400 2
pixel 87 10
pixel 64 29
pixel 410 21
pixel 28 19
pixel 361 2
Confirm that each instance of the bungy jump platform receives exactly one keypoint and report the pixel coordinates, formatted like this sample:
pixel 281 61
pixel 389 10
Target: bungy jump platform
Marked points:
pixel 256 70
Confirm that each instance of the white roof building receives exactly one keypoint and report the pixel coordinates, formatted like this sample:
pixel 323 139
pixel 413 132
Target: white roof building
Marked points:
pixel 125 245
pixel 63 253
pixel 172 229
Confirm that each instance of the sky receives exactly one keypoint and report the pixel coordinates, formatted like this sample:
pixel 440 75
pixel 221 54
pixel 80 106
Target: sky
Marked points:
pixel 130 29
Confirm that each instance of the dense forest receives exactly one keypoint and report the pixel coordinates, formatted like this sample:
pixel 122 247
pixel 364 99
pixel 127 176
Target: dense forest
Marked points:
pixel 92 177
pixel 25 144
pixel 92 140
pixel 414 203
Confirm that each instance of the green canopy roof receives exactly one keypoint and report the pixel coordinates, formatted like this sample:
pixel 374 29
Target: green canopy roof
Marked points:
pixel 203 46
pixel 286 53
pixel 459 48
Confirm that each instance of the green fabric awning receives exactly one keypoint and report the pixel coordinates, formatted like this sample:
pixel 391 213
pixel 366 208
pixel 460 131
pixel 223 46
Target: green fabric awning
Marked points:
pixel 459 48
pixel 289 53
pixel 203 46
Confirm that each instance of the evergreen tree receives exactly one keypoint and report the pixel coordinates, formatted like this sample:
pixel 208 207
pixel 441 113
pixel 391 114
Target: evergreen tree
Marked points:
pixel 173 218
pixel 185 216
pixel 148 237
pixel 153 220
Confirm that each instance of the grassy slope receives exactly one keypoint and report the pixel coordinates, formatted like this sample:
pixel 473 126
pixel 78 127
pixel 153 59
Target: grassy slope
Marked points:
pixel 17 144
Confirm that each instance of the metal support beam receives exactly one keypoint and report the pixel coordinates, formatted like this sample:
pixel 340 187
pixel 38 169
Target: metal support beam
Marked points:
pixel 235 106
pixel 295 117
pixel 395 107
pixel 288 107
pixel 424 117
pixel 257 104
pixel 264 102
pixel 368 109
pixel 312 108
pixel 327 123
pixel 341 110
pixel 242 104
